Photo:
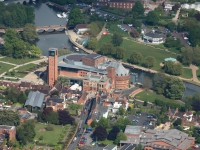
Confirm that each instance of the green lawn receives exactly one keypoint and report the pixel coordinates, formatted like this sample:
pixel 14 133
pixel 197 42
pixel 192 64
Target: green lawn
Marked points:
pixel 131 46
pixel 151 96
pixel 5 67
pixel 113 28
pixel 49 137
pixel 73 108
pixel 187 73
pixel 19 70
pixel 105 142
pixel 18 61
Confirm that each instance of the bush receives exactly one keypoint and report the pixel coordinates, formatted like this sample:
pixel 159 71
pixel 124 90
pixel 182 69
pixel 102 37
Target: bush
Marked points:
pixel 49 128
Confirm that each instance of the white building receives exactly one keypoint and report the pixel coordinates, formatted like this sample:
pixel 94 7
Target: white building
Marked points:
pixel 168 6
pixel 118 103
pixel 195 6
pixel 81 28
pixel 153 38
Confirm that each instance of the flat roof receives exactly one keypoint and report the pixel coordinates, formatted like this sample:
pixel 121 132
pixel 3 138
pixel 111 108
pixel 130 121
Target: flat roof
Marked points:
pixel 75 57
pixel 133 129
pixel 93 56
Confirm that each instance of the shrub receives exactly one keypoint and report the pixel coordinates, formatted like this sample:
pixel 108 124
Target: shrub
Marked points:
pixel 49 128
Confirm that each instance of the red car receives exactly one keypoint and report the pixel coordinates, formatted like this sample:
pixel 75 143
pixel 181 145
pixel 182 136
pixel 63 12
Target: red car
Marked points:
pixel 85 111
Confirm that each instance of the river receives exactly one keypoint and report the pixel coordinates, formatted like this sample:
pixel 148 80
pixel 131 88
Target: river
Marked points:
pixel 45 16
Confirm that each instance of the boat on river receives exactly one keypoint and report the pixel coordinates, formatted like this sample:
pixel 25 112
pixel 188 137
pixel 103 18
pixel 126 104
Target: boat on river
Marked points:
pixel 62 15
pixel 76 48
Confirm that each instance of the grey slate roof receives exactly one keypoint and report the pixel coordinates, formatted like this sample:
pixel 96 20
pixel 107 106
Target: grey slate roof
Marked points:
pixel 35 99
pixel 154 35
pixel 109 147
pixel 133 129
pixel 120 70
pixel 128 147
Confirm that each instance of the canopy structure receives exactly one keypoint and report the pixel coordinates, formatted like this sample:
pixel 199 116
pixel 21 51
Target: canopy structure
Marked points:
pixel 171 59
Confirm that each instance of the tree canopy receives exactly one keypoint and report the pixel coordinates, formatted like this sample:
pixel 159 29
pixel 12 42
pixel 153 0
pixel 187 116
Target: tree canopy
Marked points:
pixel 117 40
pixel 135 58
pixel 173 68
pixel 107 49
pixel 15 15
pixel 29 33
pixel 119 52
pixel 103 122
pixel 149 61
pixel 194 35
pixel 9 117
pixel 120 136
pixel 75 16
pixel 100 133
pixel 63 2
pixel 152 18
pixel 138 8
pixel 170 87
pixel 65 118
pixel 63 80
pixel 113 133
pixel 92 44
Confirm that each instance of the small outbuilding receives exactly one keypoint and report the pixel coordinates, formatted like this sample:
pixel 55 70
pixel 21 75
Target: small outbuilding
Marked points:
pixel 81 28
pixel 170 59
pixel 153 38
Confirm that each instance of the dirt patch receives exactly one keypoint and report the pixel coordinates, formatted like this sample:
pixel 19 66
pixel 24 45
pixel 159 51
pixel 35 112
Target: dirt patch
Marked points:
pixel 42 130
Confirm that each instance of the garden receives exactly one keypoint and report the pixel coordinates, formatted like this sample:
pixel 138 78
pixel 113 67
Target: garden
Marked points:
pixel 18 61
pixel 74 108
pixel 5 67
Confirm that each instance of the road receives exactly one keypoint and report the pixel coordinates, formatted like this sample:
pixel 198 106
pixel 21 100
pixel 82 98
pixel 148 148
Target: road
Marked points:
pixel 83 119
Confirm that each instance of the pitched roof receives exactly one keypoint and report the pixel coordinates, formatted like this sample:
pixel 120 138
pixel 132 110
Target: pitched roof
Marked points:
pixel 93 56
pixel 25 84
pixel 109 147
pixel 80 26
pixel 128 147
pixel 154 35
pixel 119 68
pixel 35 99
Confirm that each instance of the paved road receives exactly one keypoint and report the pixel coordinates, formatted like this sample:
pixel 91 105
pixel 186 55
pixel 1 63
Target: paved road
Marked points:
pixel 83 119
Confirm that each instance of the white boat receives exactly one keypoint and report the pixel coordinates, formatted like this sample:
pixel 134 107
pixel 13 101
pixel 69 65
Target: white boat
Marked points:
pixel 64 15
pixel 59 16
pixel 76 48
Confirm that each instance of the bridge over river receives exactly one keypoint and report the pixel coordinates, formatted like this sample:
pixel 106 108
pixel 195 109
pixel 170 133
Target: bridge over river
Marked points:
pixel 42 28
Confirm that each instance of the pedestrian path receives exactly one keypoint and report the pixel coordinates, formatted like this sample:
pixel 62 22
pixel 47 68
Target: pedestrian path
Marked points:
pixel 102 31
pixel 8 63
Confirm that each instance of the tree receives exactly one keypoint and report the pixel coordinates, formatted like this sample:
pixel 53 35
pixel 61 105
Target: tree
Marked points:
pixel 92 44
pixel 117 40
pixel 94 123
pixel 136 23
pixel 176 7
pixel 120 136
pixel 100 133
pixel 29 33
pixel 135 33
pixel 9 117
pixel 122 123
pixel 103 122
pixel 138 8
pixel 197 16
pixel 149 61
pixel 127 20
pixel 53 118
pixel 119 52
pixel 147 83
pixel 35 51
pixel 145 103
pixel 113 133
pixel 189 24
pixel 173 68
pixel 177 122
pixel 65 118
pixel 121 110
pixel 159 10
pixel 139 147
pixel 194 35
pixel 196 102
pixel 94 29
pixel 135 58
pixel 25 132
pixel 75 16
pixel 187 55
pixel 171 26
pixel 63 80
pixel 22 98
pixel 107 49
pixel 171 42
pixel 152 18
pixel 46 113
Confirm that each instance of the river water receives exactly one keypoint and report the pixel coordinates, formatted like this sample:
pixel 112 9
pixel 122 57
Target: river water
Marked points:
pixel 44 16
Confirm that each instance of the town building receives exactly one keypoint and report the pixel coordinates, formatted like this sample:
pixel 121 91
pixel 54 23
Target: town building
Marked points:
pixel 56 103
pixel 9 129
pixel 195 6
pixel 153 38
pixel 168 7
pixel 35 100
pixel 78 65
pixel 25 114
pixel 128 147
pixel 81 28
pixel 158 139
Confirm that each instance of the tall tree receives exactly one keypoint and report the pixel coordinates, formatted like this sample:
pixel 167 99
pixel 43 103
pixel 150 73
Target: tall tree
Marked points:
pixel 65 118
pixel 135 58
pixel 117 40
pixel 152 18
pixel 35 51
pixel 100 133
pixel 138 8
pixel 196 102
pixel 9 117
pixel 92 44
pixel 119 52
pixel 107 49
pixel 173 68
pixel 22 98
pixel 103 122
pixel 120 136
pixel 187 55
pixel 149 61
pixel 113 133
pixel 94 29
pixel 63 80
pixel 75 16
pixel 194 35
pixel 121 110
pixel 29 33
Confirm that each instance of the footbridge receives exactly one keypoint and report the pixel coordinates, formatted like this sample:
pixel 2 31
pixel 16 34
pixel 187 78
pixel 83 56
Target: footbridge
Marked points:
pixel 42 28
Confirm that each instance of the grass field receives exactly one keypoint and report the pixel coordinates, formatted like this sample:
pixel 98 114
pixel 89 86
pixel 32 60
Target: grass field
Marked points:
pixel 22 69
pixel 49 137
pixel 18 61
pixel 106 142
pixel 73 108
pixel 5 67
pixel 187 73
pixel 131 46
pixel 151 96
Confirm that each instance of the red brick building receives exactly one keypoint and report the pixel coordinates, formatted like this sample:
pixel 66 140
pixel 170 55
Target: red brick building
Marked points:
pixel 10 129
pixel 79 65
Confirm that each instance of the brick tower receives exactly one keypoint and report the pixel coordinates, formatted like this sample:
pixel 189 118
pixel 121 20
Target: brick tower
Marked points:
pixel 52 70
pixel 111 74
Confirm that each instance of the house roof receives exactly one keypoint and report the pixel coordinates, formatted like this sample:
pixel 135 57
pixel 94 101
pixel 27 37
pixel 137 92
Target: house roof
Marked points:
pixel 109 147
pixel 154 35
pixel 81 26
pixel 54 100
pixel 128 147
pixel 93 56
pixel 133 129
pixel 25 84
pixel 35 99
pixel 119 68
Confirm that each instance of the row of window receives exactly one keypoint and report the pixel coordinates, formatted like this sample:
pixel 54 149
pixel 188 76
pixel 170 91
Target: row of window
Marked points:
pixel 122 4
pixel 122 7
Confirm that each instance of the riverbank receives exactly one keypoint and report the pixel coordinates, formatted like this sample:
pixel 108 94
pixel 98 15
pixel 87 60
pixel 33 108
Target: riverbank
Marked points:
pixel 73 36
